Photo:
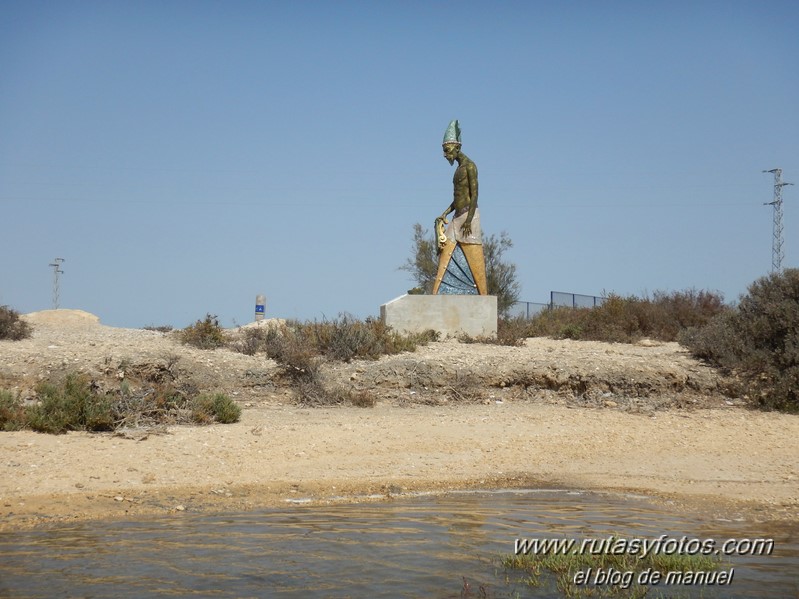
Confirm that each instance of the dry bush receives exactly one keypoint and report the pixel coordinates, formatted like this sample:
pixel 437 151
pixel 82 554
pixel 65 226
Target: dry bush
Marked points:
pixel 465 388
pixel 164 328
pixel 560 323
pixel 346 338
pixel 148 406
pixel 301 349
pixel 510 331
pixel 12 327
pixel 629 319
pixel 342 339
pixel 299 362
pixel 251 341
pixel 362 399
pixel 317 393
pixel 205 334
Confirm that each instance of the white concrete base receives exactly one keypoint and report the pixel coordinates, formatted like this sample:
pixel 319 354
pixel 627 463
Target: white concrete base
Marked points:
pixel 450 315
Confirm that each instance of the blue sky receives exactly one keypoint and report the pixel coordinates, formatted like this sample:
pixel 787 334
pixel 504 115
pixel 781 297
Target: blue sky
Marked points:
pixel 185 156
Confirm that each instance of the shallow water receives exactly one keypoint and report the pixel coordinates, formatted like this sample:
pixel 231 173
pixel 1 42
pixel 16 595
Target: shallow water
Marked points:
pixel 426 546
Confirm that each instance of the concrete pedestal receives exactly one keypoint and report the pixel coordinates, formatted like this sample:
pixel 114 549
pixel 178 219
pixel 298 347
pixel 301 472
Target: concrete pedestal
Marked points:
pixel 450 315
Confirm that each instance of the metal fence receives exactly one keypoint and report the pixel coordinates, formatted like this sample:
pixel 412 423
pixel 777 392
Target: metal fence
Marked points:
pixel 557 299
pixel 574 300
pixel 526 309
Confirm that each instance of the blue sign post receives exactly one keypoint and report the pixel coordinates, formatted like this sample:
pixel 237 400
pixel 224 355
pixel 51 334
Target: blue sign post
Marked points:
pixel 260 307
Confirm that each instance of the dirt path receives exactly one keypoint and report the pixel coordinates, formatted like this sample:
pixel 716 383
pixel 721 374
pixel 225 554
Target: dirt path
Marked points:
pixel 634 418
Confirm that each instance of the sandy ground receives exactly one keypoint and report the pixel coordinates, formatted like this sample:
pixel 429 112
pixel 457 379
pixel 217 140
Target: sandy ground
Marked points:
pixel 645 419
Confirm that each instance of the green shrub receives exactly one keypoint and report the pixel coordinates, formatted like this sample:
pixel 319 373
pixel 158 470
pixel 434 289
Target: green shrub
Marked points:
pixel 76 403
pixel 218 407
pixel 759 341
pixel 12 327
pixel 571 331
pixel 205 334
pixel 718 342
pixel 71 406
pixel 12 412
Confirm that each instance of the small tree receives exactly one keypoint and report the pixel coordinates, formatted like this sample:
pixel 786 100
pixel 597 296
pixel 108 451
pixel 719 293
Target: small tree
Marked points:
pixel 12 326
pixel 500 274
pixel 423 265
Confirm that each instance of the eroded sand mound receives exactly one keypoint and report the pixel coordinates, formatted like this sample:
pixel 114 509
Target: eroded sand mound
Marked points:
pixel 572 414
pixel 62 318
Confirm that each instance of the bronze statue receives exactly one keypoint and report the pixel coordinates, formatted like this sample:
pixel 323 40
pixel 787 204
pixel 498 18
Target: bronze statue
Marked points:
pixel 461 265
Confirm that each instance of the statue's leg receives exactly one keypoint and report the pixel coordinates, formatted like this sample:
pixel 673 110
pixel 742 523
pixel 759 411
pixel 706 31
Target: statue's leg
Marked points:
pixel 476 259
pixel 443 261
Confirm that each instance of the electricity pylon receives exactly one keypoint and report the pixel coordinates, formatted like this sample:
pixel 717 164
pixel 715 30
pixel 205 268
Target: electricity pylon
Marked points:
pixel 776 243
pixel 56 271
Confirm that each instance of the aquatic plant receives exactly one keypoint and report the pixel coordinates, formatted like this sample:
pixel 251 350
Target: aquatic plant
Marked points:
pixel 617 567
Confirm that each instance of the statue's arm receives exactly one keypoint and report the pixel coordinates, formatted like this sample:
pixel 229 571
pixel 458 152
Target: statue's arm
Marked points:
pixel 449 209
pixel 471 175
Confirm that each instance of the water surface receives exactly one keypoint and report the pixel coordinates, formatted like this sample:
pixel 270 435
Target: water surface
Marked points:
pixel 426 546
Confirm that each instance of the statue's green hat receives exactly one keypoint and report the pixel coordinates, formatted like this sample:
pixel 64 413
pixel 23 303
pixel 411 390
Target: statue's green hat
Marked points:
pixel 453 133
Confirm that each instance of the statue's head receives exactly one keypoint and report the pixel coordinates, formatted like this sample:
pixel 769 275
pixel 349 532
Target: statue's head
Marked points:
pixel 451 151
pixel 452 141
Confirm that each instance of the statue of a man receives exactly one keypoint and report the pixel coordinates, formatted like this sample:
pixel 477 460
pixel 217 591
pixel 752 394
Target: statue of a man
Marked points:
pixel 461 265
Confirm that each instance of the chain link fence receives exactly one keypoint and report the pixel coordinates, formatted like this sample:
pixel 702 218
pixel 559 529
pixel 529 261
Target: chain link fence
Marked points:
pixel 574 300
pixel 526 309
pixel 557 299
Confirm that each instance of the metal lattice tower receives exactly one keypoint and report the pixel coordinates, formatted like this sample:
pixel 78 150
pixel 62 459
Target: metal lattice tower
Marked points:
pixel 777 253
pixel 56 271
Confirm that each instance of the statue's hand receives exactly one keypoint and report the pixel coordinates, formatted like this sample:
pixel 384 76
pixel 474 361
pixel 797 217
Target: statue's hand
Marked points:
pixel 441 236
pixel 466 228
